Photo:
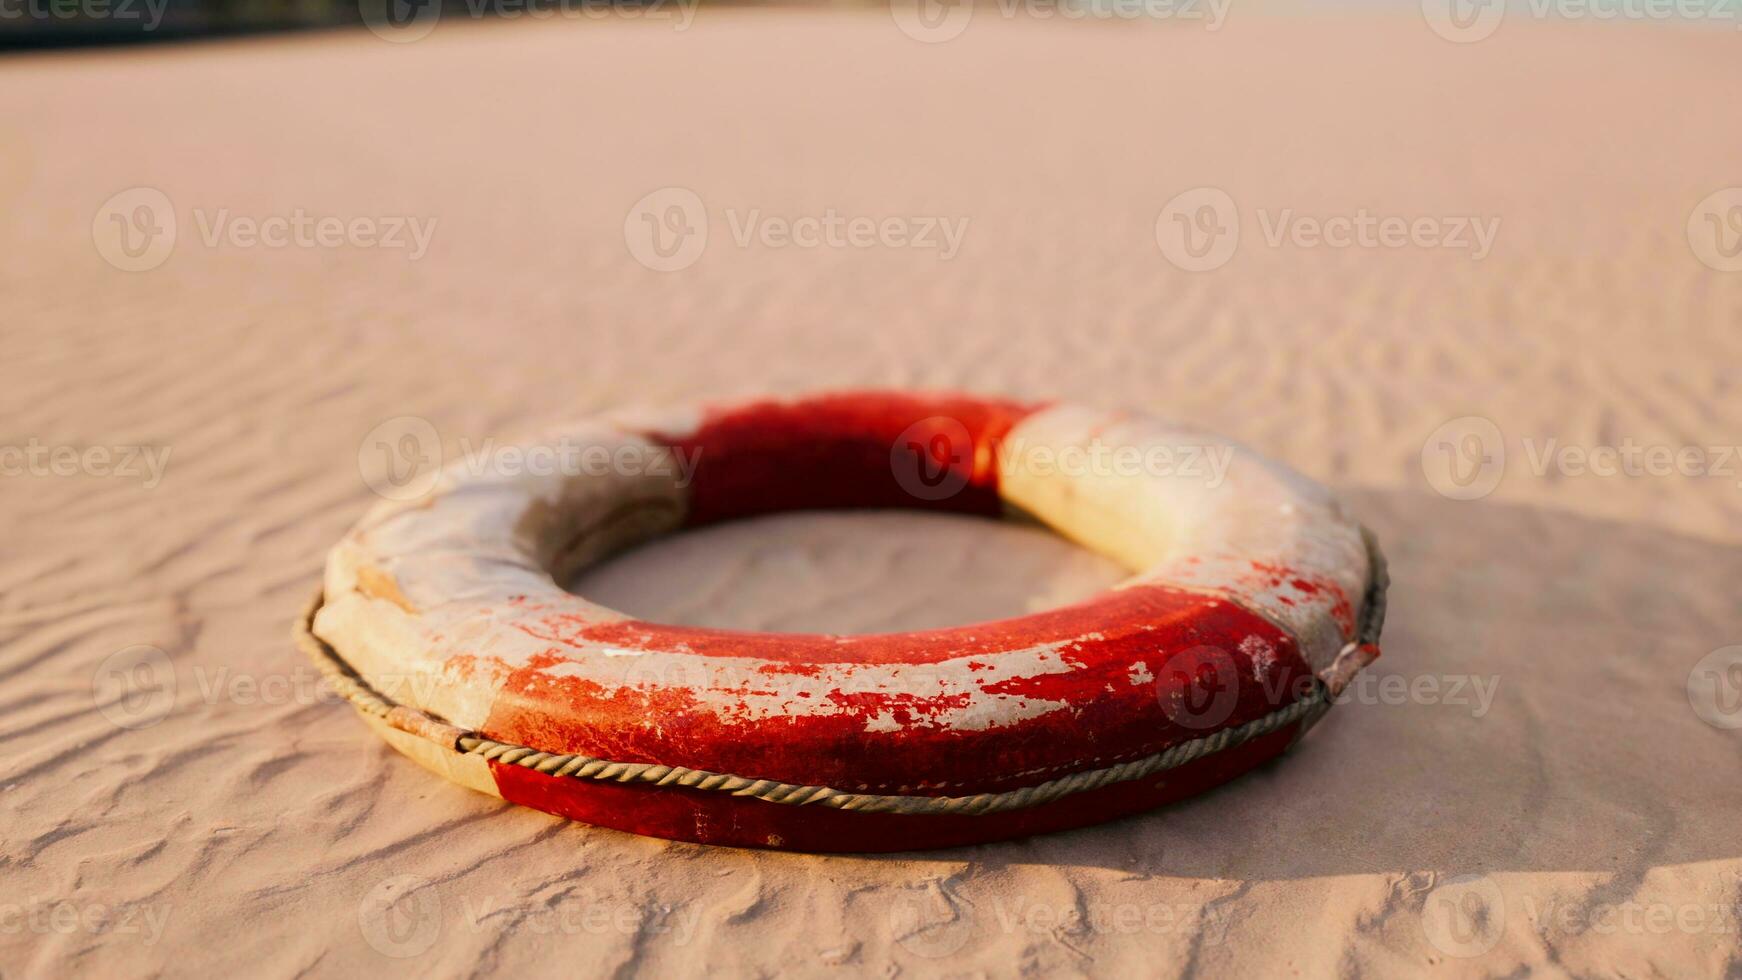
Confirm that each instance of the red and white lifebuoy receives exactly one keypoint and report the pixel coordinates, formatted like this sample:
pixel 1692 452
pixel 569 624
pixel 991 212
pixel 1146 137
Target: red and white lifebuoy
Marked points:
pixel 1255 596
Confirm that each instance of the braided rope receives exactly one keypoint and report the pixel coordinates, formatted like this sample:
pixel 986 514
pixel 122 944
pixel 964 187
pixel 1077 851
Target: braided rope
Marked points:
pixel 1379 582
pixel 585 767
pixel 1306 710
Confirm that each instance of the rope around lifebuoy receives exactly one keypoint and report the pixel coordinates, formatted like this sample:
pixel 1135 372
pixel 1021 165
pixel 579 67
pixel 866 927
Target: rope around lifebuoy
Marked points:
pixel 366 700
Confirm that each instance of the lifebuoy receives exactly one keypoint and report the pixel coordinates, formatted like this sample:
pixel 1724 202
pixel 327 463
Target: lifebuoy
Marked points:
pixel 1254 597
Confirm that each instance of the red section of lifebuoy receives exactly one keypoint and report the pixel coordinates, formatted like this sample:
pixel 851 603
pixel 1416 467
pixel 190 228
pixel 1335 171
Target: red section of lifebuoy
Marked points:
pixel 864 449
pixel 1149 667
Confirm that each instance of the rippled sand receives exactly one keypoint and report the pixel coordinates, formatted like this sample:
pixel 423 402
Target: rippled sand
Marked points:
pixel 1578 816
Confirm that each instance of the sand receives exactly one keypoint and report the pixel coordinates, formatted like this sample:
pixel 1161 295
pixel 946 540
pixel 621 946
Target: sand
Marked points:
pixel 1542 794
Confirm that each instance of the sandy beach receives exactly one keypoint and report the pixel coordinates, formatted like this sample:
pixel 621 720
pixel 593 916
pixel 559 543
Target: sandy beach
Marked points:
pixel 1538 775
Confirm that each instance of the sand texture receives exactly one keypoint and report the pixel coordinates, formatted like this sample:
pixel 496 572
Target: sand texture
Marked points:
pixel 1555 802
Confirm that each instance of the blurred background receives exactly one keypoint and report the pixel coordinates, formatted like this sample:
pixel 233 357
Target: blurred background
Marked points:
pixel 1438 255
pixel 28 24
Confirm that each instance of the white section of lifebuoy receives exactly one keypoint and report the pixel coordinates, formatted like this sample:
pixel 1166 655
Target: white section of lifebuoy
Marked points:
pixel 433 601
pixel 1231 529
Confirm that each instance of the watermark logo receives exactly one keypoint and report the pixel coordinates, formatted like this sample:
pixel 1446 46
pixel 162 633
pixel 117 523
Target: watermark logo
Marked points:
pixel 406 915
pixel 1469 21
pixel 300 229
pixel 401 916
pixel 933 922
pixel 1715 230
pixel 1472 692
pixel 1465 916
pixel 930 922
pixel 134 687
pixel 667 230
pixel 1198 688
pixel 1470 233
pixel 400 21
pixel 1715 688
pixel 125 462
pixel 46 916
pixel 147 14
pixel 933 458
pixel 1199 230
pixel 937 21
pixel 831 229
pixel 1464 21
pixel 1633 918
pixel 403 21
pixel 135 230
pixel 401 458
pixel 1465 458
pixel 137 687
pixel 932 21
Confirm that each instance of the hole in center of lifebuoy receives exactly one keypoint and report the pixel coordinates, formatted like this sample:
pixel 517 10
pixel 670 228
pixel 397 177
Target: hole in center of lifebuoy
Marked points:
pixel 848 572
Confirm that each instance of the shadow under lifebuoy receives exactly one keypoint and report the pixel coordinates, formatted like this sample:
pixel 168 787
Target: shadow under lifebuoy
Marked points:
pixel 1530 713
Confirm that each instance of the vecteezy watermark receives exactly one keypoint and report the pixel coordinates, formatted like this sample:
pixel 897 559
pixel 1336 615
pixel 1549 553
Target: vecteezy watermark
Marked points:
pixel 1200 229
pixel 300 229
pixel 667 230
pixel 1463 21
pixel 1470 233
pixel 930 921
pixel 1715 229
pixel 403 21
pixel 404 915
pixel 936 458
pixel 937 21
pixel 401 916
pixel 1474 692
pixel 1715 688
pixel 1199 688
pixel 148 14
pixel 303 685
pixel 137 229
pixel 134 687
pixel 1467 916
pixel 1466 457
pixel 933 922
pixel 402 458
pixel 122 462
pixel 1469 21
pixel 143 921
pixel 1632 918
